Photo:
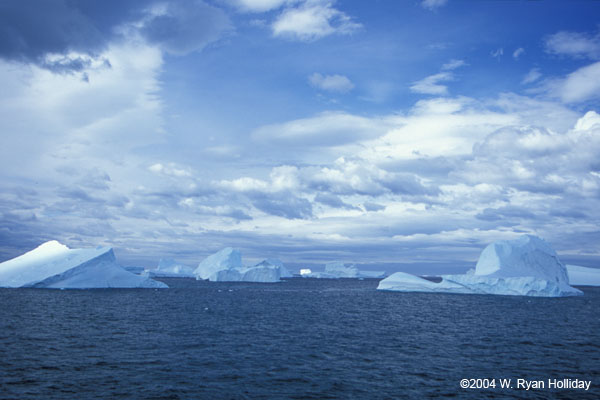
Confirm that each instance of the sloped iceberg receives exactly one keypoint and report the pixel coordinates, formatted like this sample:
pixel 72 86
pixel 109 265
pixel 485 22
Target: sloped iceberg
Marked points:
pixel 226 266
pixel 583 276
pixel 55 266
pixel 526 266
pixel 169 268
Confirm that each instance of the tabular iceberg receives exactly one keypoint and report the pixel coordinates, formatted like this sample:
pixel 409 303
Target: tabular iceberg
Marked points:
pixel 226 266
pixel 583 276
pixel 169 268
pixel 527 266
pixel 337 269
pixel 55 266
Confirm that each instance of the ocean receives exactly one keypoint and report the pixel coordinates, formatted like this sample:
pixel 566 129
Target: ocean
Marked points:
pixel 298 339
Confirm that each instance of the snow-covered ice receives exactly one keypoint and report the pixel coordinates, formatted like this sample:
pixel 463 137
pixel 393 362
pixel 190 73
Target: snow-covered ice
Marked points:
pixel 226 266
pixel 583 276
pixel 169 268
pixel 54 265
pixel 526 266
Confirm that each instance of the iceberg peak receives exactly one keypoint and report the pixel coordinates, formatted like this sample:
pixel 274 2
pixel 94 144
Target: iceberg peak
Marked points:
pixel 526 266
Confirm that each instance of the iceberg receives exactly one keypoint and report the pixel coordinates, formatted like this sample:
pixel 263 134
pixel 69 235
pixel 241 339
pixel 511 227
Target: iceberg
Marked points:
pixel 224 259
pixel 527 266
pixel 226 266
pixel 53 265
pixel 169 268
pixel 337 269
pixel 285 273
pixel 583 276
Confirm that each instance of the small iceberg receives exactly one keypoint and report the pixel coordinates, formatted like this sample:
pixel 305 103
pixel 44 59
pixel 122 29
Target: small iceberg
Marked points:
pixel 527 266
pixel 337 269
pixel 169 268
pixel 226 266
pixel 55 266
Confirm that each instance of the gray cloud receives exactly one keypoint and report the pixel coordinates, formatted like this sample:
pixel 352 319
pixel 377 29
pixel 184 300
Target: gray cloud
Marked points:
pixel 186 26
pixel 334 201
pixel 30 32
pixel 282 204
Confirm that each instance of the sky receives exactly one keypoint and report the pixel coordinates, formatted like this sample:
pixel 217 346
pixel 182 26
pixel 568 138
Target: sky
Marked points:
pixel 398 135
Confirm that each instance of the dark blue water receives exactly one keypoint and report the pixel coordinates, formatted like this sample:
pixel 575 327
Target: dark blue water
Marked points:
pixel 301 339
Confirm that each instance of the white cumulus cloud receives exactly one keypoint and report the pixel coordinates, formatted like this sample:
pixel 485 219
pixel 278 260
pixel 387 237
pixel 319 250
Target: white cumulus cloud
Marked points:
pixel 331 83
pixel 574 44
pixel 312 20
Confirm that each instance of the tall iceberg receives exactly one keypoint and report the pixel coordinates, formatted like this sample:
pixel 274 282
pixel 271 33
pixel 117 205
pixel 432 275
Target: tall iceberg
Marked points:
pixel 226 266
pixel 55 266
pixel 526 266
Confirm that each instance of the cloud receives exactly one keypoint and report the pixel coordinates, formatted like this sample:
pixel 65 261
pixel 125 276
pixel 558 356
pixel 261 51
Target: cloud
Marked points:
pixel 518 53
pixel 580 85
pixel 170 169
pixel 51 27
pixel 260 6
pixel 333 201
pixel 282 204
pixel 497 53
pixel 574 44
pixel 431 84
pixel 325 129
pixel 183 27
pixel 331 83
pixel 433 4
pixel 313 20
pixel 533 75
pixel 454 64
pixel 68 36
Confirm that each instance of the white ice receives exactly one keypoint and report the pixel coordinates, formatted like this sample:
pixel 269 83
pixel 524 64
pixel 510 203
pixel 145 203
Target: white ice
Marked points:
pixel 337 269
pixel 226 266
pixel 169 268
pixel 53 265
pixel 527 266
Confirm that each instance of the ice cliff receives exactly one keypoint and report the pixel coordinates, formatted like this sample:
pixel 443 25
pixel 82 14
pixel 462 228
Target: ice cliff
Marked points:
pixel 54 265
pixel 226 266
pixel 526 266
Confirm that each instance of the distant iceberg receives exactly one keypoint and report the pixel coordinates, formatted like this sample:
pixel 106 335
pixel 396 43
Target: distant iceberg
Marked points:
pixel 285 273
pixel 55 266
pixel 527 266
pixel 337 269
pixel 169 268
pixel 583 276
pixel 226 266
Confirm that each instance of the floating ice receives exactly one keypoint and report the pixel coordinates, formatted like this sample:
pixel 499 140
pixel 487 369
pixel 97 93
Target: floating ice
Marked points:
pixel 337 269
pixel 527 266
pixel 285 273
pixel 226 266
pixel 169 268
pixel 53 265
